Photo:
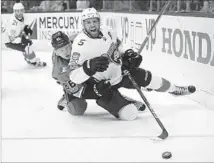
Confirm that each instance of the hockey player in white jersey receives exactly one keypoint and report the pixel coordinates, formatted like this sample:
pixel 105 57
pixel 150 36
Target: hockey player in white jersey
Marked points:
pixel 16 36
pixel 75 95
pixel 100 55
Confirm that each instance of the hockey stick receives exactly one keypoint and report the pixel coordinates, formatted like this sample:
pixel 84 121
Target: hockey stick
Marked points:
pixel 164 133
pixel 32 24
pixel 153 26
pixel 150 31
pixel 28 36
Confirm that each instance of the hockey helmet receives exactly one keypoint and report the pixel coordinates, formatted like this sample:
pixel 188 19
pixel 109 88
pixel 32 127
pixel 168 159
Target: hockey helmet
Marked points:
pixel 18 10
pixel 59 39
pixel 89 13
pixel 18 6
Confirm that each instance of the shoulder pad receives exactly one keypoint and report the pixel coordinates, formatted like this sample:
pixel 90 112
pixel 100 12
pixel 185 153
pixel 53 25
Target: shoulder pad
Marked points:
pixel 72 37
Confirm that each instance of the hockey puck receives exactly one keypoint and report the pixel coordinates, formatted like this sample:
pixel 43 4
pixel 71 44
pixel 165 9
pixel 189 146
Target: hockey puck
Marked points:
pixel 192 88
pixel 166 155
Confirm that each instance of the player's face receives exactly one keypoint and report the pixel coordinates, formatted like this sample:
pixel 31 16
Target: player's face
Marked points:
pixel 19 13
pixel 64 52
pixel 92 26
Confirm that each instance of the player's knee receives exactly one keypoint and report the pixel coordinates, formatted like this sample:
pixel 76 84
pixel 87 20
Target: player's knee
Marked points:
pixel 142 77
pixel 77 106
pixel 128 112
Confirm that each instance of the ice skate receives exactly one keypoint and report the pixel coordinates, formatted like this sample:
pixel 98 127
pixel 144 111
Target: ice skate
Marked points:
pixel 62 103
pixel 36 62
pixel 181 91
pixel 140 106
pixel 40 64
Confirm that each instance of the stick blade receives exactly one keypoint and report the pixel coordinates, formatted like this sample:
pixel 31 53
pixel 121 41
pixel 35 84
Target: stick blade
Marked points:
pixel 163 135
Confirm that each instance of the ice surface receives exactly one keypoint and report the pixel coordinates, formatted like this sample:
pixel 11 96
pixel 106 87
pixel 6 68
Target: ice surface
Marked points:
pixel 33 129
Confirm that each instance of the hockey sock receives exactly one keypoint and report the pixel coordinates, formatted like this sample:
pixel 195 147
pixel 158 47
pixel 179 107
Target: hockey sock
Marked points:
pixel 161 85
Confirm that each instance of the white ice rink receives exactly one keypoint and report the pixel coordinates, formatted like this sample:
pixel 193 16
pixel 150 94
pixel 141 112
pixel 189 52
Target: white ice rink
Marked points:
pixel 34 130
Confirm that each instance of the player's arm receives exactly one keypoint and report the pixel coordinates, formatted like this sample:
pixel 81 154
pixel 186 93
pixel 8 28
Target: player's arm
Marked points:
pixel 130 58
pixel 83 69
pixel 88 68
pixel 55 68
pixel 14 35
pixel 63 79
pixel 113 34
pixel 58 64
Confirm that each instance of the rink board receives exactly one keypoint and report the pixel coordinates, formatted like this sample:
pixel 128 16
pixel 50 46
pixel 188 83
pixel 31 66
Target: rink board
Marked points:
pixel 184 45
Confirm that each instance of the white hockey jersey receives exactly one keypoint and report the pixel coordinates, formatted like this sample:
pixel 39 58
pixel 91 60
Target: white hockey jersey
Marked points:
pixel 14 29
pixel 85 48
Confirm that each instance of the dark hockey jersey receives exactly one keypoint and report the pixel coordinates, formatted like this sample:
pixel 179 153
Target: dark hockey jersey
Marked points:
pixel 58 64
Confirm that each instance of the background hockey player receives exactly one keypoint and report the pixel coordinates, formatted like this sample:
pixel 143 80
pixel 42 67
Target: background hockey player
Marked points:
pixel 100 55
pixel 74 94
pixel 16 36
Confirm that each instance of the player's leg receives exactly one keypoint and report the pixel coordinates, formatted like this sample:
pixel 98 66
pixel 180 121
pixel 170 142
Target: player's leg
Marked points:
pixel 75 106
pixel 118 106
pixel 145 79
pixel 30 55
pixel 62 103
pixel 27 50
pixel 90 93
pixel 140 106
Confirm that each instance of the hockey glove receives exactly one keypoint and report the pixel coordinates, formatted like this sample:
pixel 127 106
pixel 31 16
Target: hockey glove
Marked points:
pixel 102 87
pixel 27 30
pixel 26 41
pixel 131 59
pixel 98 64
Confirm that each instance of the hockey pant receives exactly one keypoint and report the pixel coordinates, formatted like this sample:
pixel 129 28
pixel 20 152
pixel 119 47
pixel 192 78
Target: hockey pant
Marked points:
pixel 112 101
pixel 141 76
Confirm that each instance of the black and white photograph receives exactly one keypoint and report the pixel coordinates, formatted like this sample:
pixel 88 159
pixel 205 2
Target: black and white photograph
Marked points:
pixel 107 81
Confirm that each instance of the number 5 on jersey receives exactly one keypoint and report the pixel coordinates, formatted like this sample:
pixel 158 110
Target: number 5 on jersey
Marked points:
pixel 81 42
